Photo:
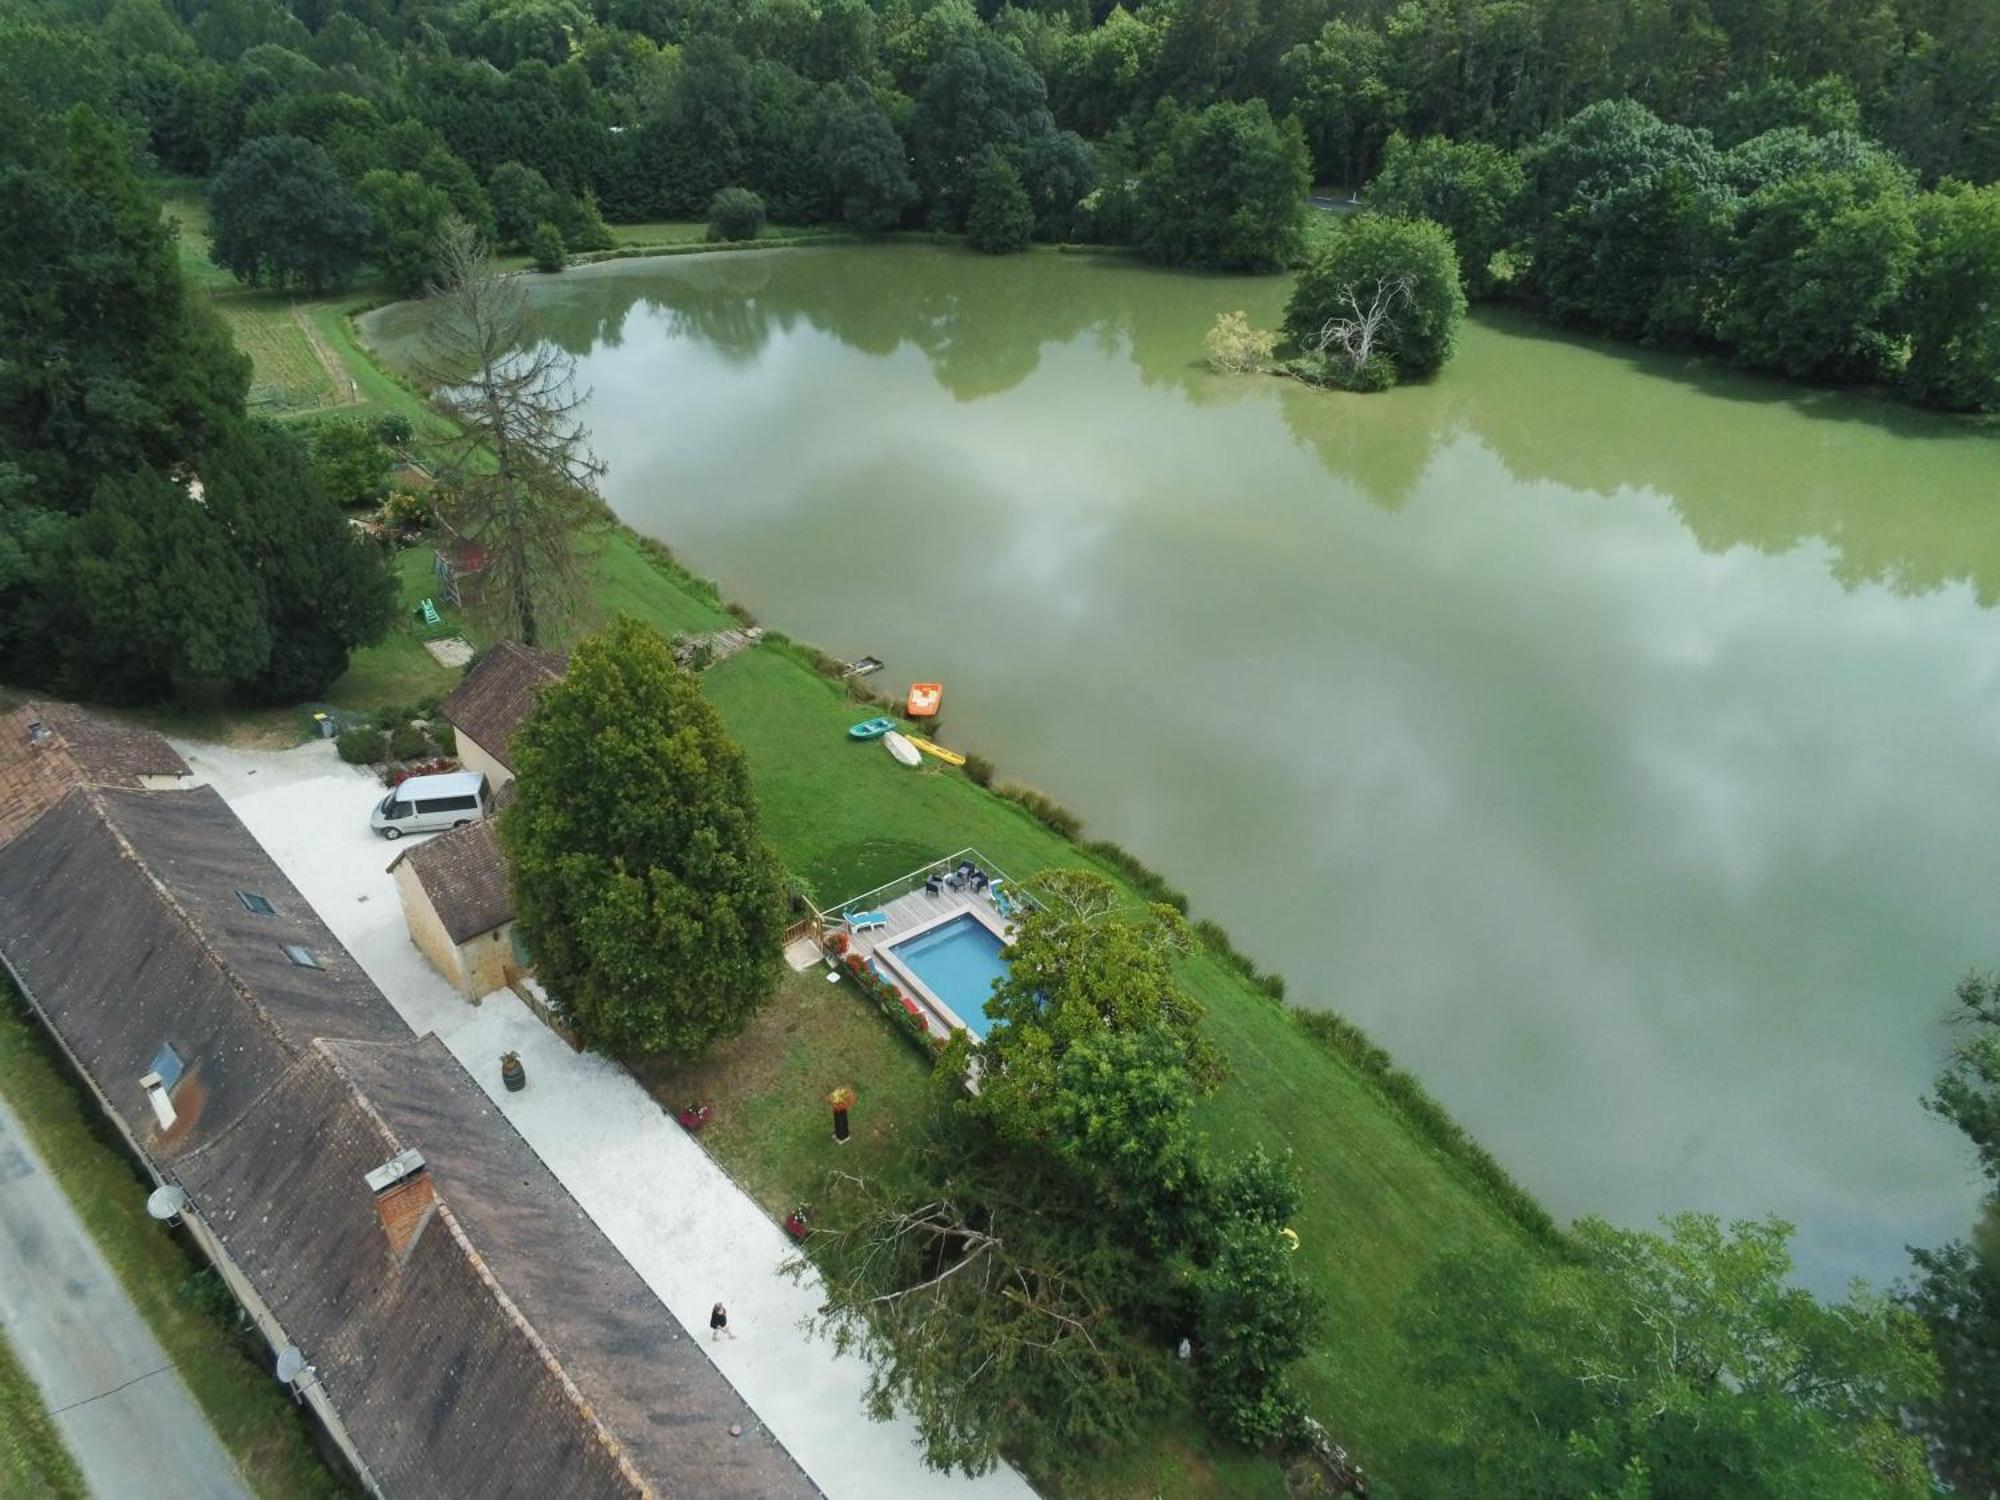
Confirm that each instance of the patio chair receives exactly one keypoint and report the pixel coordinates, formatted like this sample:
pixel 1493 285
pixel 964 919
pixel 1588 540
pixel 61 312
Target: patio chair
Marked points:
pixel 934 886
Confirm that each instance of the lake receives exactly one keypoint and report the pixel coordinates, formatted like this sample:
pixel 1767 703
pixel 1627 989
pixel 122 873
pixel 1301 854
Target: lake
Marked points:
pixel 1614 736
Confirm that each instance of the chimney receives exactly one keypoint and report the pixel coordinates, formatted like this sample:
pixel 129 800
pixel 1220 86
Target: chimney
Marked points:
pixel 403 1199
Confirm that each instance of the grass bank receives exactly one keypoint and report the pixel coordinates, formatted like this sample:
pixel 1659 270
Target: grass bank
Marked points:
pixel 252 1416
pixel 1389 1178
pixel 34 1464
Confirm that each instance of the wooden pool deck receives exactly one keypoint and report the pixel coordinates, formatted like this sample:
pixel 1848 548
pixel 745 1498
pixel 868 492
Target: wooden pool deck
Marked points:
pixel 913 914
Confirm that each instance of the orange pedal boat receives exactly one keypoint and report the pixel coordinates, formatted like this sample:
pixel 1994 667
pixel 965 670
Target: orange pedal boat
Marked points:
pixel 924 699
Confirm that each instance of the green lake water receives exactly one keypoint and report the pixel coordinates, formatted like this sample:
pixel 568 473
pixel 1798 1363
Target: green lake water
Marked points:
pixel 1615 737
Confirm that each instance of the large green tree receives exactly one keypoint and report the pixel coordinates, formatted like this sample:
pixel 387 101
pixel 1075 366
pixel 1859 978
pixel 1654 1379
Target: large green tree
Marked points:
pixel 639 870
pixel 322 589
pixel 978 95
pixel 108 363
pixel 1631 218
pixel 1012 1293
pixel 1471 188
pixel 863 162
pixel 1820 262
pixel 1663 1365
pixel 143 590
pixel 1227 188
pixel 1000 219
pixel 280 215
pixel 1380 289
pixel 1957 1287
pixel 1951 301
pixel 409 215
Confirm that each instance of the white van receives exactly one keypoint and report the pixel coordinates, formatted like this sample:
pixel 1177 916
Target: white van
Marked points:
pixel 426 802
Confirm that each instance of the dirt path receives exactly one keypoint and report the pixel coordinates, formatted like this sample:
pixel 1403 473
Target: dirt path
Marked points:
pixel 345 390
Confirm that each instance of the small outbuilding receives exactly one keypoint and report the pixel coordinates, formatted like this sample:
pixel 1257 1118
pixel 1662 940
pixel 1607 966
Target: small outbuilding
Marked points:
pixel 454 894
pixel 498 692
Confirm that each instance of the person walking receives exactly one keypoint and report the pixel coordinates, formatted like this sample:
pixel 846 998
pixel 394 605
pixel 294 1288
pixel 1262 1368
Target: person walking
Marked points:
pixel 718 1322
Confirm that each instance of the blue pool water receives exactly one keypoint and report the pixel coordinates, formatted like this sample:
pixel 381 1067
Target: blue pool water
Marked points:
pixel 959 961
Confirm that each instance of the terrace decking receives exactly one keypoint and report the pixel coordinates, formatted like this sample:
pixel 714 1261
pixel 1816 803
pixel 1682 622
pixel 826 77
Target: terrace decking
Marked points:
pixel 917 911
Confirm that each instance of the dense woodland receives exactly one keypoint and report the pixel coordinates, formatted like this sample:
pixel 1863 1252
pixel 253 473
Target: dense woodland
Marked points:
pixel 1803 183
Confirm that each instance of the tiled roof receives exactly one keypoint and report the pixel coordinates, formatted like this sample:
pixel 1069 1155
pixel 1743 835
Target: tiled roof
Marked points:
pixel 47 748
pixel 465 875
pixel 512 1351
pixel 499 692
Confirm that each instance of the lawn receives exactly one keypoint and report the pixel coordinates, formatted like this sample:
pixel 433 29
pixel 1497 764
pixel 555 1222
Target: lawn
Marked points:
pixel 773 1132
pixel 264 1432
pixel 34 1464
pixel 772 1127
pixel 1380 1202
pixel 286 373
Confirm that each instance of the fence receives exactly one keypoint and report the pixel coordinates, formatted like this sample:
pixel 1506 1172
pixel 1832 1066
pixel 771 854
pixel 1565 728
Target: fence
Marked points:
pixel 902 885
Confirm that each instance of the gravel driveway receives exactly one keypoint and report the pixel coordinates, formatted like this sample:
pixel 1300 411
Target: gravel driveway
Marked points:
pixel 686 1228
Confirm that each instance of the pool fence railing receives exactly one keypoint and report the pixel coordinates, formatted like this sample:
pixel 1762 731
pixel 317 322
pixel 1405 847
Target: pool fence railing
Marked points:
pixel 902 885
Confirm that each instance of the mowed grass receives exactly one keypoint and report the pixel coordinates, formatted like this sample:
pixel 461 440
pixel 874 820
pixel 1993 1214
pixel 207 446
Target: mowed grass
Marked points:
pixel 1380 1203
pixel 34 1464
pixel 772 1127
pixel 250 1412
pixel 773 1132
pixel 286 373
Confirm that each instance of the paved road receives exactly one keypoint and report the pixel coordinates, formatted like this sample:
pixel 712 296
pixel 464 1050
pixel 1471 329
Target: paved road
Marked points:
pixel 121 1408
pixel 688 1230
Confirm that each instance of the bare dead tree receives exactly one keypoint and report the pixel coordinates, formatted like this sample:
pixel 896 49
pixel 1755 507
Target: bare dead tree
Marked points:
pixel 1355 333
pixel 521 477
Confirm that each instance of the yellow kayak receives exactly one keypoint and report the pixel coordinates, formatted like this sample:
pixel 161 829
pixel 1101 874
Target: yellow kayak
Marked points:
pixel 949 757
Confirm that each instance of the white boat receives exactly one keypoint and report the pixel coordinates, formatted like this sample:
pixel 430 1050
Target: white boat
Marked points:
pixel 902 749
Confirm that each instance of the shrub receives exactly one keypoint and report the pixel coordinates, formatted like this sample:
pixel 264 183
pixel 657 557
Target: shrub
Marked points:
pixel 741 613
pixel 407 510
pixel 1151 885
pixel 546 248
pixel 446 737
pixel 735 214
pixel 407 742
pixel 979 768
pixel 1044 809
pixel 1235 348
pixel 359 747
pixel 393 429
pixel 1001 220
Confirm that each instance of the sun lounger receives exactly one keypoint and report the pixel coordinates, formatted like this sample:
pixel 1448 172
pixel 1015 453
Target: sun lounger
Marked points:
pixel 861 921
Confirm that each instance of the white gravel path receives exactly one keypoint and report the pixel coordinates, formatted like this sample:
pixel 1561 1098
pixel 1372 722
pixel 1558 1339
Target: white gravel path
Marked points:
pixel 689 1231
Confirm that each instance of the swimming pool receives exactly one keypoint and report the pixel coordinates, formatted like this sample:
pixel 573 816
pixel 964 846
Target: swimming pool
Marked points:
pixel 958 962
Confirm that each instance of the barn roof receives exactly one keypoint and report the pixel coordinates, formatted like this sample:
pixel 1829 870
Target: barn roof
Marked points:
pixel 499 691
pixel 465 875
pixel 510 1350
pixel 47 748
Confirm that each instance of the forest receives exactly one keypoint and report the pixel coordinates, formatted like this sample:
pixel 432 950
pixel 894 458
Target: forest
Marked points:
pixel 1805 184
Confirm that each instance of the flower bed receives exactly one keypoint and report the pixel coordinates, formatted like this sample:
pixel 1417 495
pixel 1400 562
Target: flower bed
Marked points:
pixel 897 1008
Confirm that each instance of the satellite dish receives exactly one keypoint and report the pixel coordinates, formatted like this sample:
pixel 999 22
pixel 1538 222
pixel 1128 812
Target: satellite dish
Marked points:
pixel 291 1363
pixel 166 1203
